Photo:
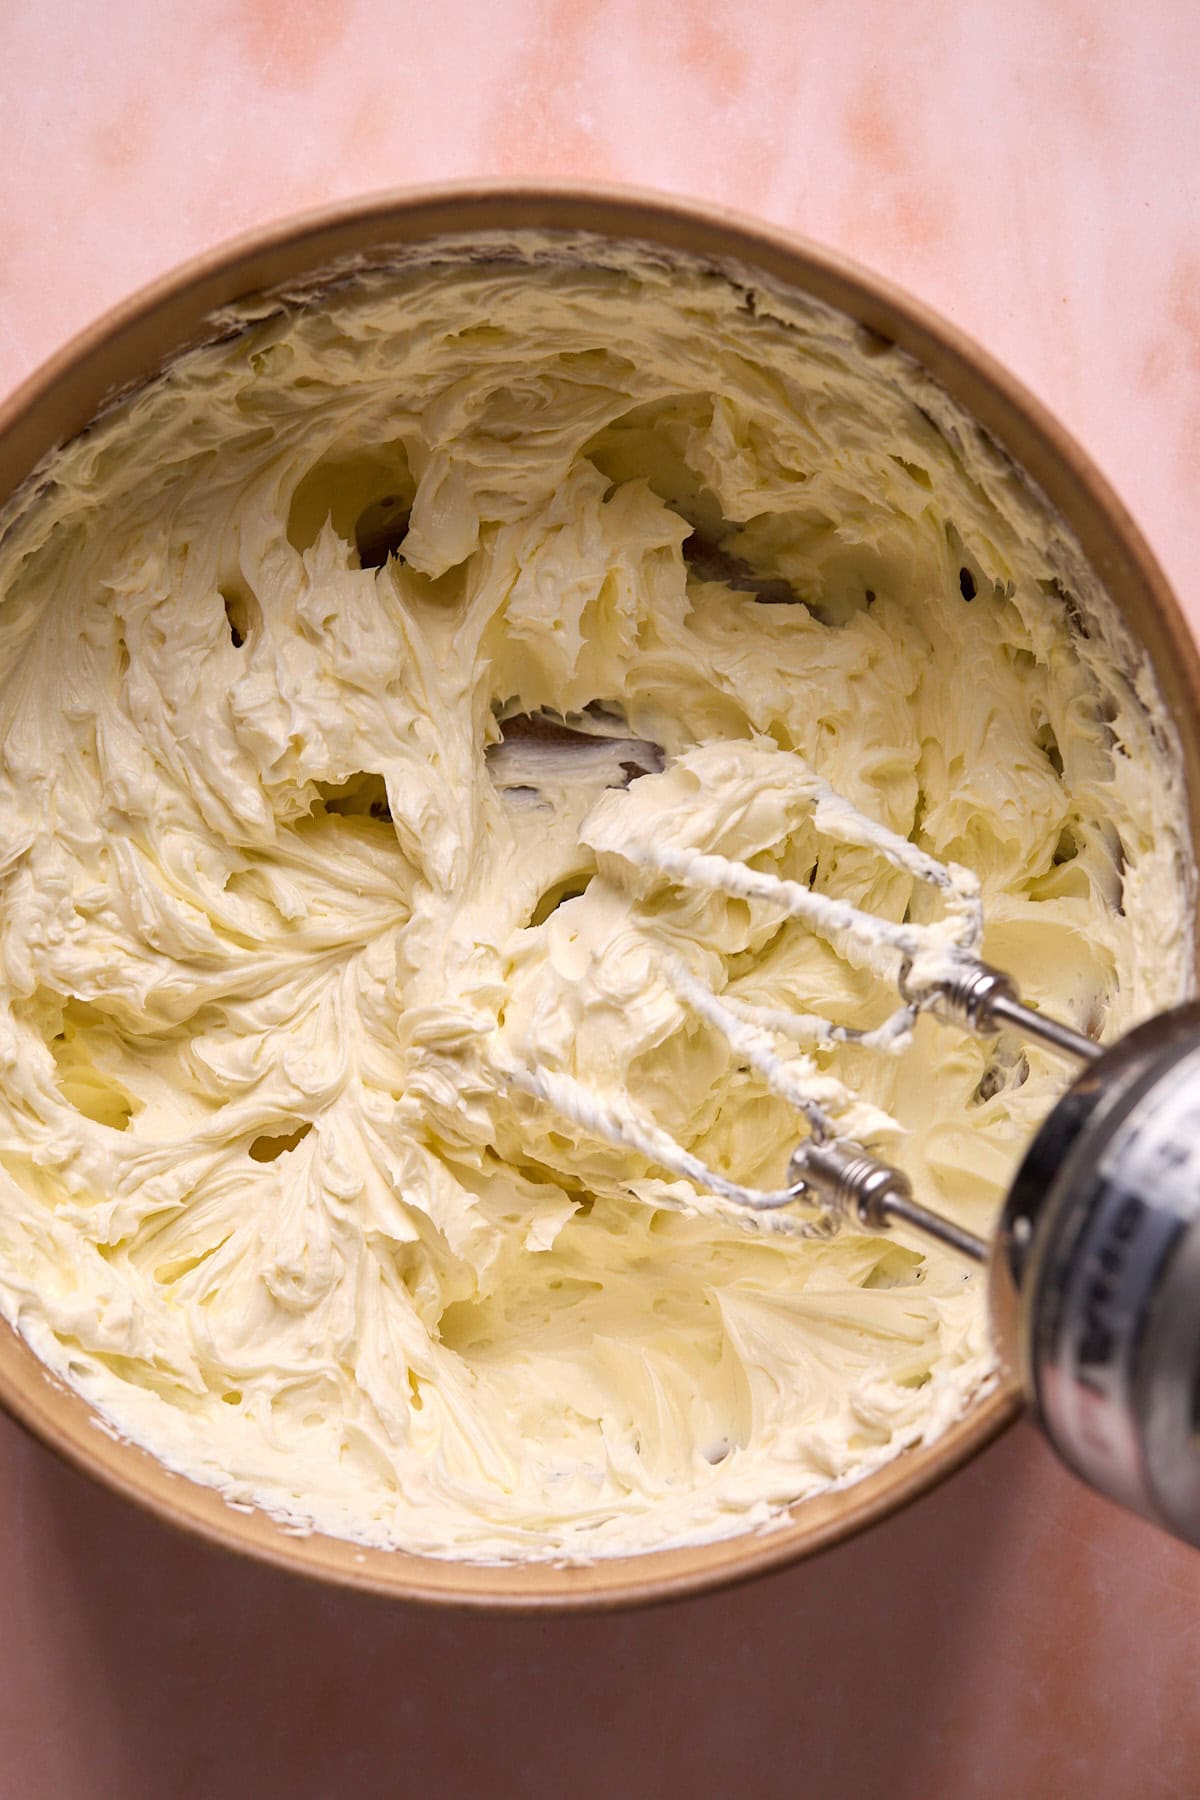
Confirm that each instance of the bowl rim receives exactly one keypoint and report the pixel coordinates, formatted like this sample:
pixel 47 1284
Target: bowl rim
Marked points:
pixel 130 343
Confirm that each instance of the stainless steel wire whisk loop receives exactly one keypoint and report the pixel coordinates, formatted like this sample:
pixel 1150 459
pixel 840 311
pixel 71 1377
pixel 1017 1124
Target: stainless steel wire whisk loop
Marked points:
pixel 934 961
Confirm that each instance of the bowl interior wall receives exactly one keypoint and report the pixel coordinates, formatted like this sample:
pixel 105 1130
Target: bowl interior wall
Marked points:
pixel 139 338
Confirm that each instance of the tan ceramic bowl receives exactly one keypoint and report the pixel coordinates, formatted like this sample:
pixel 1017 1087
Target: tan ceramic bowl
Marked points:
pixel 128 347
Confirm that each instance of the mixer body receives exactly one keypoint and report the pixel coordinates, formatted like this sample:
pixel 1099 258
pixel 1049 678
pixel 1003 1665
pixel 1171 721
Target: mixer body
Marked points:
pixel 1095 1274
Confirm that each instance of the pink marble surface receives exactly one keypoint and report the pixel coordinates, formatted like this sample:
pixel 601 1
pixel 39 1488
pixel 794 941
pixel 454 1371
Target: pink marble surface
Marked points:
pixel 1033 170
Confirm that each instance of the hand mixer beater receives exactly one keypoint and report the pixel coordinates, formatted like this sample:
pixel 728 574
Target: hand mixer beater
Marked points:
pixel 1094 1269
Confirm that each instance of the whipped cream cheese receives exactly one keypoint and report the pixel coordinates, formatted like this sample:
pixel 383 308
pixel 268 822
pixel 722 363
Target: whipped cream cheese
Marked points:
pixel 283 906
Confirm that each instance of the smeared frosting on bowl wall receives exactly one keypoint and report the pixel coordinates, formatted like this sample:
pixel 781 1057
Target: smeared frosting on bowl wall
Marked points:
pixel 276 901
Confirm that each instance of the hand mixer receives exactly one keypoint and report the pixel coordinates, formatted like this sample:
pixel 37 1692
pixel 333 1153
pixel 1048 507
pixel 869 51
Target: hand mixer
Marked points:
pixel 1094 1269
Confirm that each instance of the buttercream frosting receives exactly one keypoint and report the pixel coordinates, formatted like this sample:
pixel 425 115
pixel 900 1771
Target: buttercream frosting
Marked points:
pixel 293 923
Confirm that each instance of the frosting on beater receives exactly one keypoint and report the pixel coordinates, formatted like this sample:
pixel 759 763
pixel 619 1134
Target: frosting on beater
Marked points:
pixel 288 903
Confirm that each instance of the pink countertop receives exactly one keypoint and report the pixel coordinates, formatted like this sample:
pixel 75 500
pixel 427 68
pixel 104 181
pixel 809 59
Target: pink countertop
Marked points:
pixel 1031 169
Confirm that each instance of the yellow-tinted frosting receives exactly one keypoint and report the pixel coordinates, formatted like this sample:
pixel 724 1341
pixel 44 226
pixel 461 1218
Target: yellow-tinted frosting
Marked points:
pixel 272 922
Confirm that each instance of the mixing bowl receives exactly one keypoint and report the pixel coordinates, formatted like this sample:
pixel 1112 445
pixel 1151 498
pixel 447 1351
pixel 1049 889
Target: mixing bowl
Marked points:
pixel 134 341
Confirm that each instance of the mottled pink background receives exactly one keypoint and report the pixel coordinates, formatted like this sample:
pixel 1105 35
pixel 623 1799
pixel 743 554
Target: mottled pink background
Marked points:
pixel 1033 170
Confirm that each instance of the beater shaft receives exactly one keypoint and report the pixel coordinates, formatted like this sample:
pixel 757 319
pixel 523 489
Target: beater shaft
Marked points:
pixel 849 1181
pixel 1007 1009
pixel 980 998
